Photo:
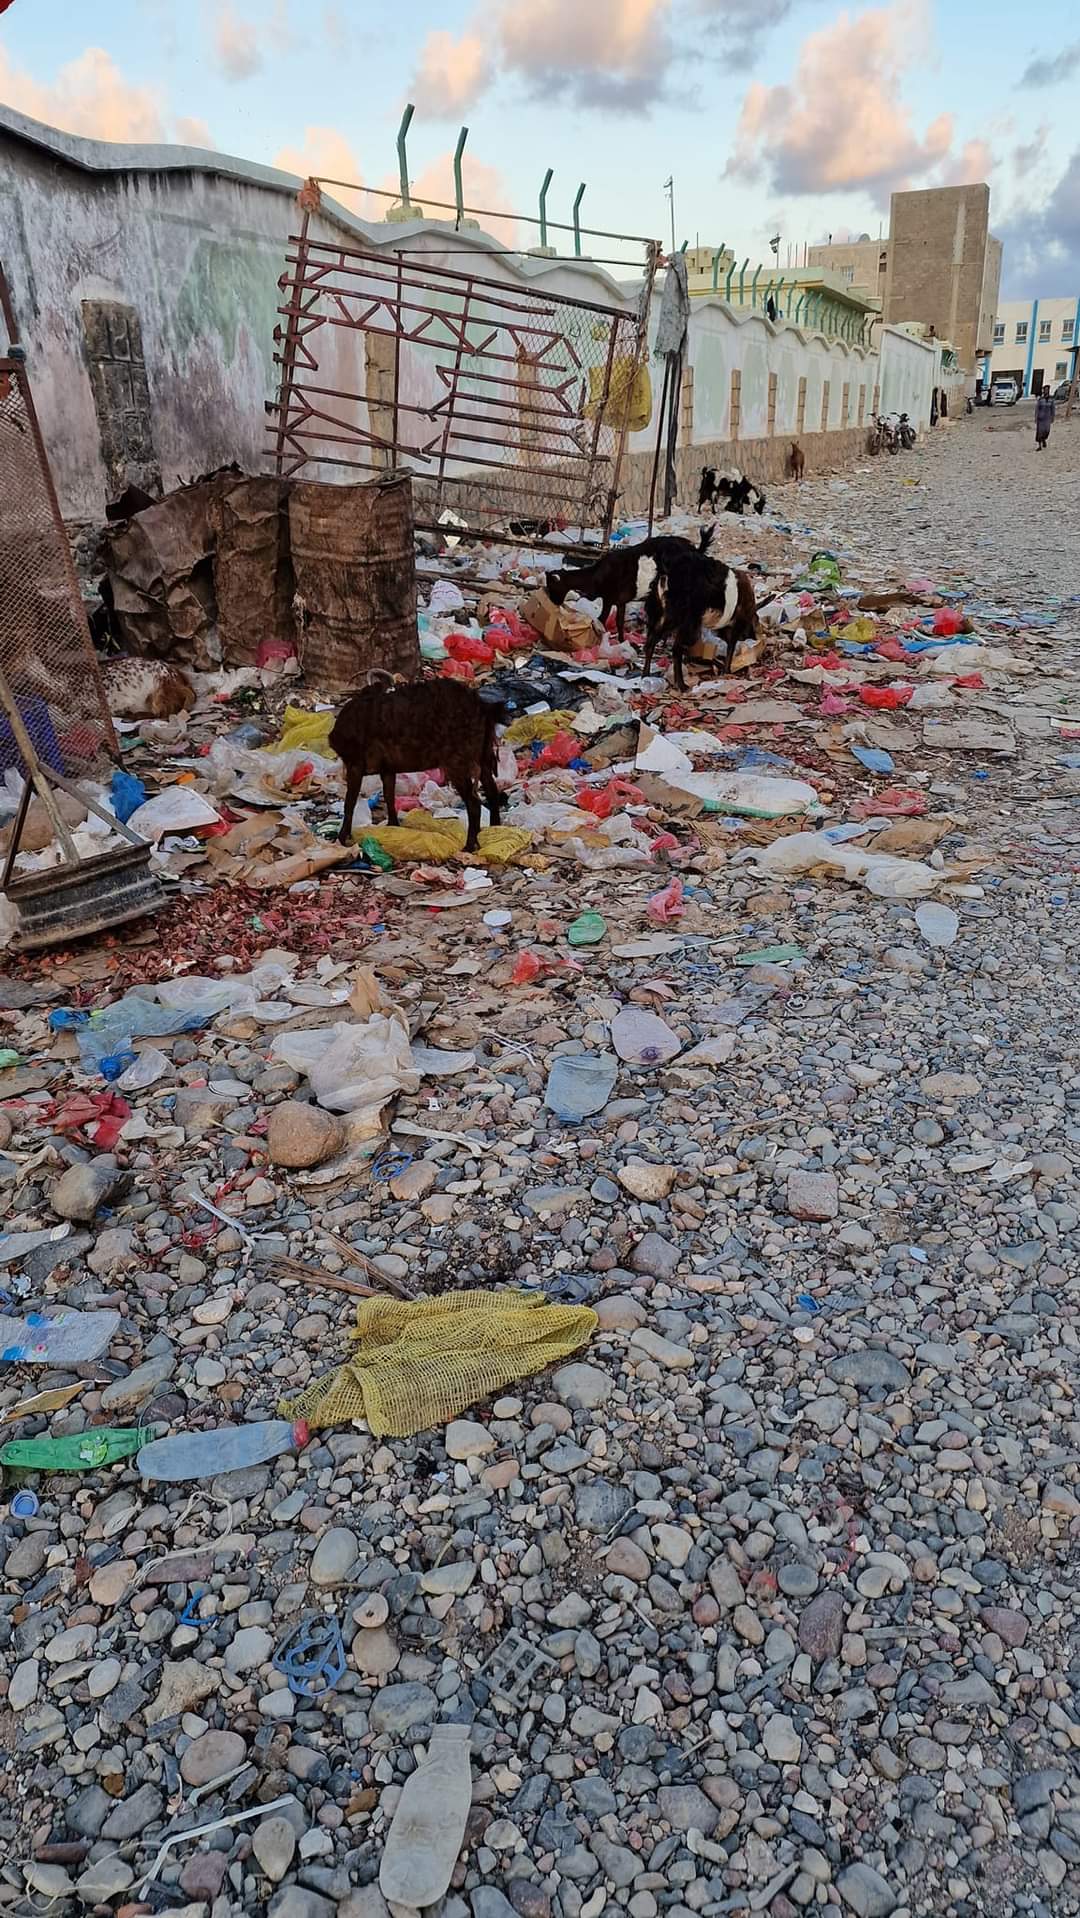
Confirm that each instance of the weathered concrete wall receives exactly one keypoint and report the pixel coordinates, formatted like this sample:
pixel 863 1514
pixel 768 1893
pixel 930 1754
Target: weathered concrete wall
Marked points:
pixel 938 241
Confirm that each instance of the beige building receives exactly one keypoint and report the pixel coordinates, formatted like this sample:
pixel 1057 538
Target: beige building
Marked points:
pixel 807 296
pixel 944 267
pixel 860 264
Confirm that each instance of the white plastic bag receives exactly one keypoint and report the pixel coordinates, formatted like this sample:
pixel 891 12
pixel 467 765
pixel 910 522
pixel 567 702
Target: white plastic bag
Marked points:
pixel 178 809
pixel 353 1068
pixel 884 874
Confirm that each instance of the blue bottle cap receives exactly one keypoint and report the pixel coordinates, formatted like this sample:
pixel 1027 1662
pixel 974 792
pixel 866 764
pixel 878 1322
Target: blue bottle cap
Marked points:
pixel 24 1505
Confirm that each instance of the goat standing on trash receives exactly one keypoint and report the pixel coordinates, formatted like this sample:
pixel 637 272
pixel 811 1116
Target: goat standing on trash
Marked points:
pixel 413 729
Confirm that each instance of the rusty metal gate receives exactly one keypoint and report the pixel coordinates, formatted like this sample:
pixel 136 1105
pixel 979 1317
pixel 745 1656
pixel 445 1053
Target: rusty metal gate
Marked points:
pixel 46 656
pixel 509 405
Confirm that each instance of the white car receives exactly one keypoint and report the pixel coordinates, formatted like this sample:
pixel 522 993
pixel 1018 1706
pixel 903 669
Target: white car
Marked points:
pixel 1004 393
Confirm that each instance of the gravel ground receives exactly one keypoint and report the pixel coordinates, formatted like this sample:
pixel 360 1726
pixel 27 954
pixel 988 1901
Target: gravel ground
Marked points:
pixel 796 1533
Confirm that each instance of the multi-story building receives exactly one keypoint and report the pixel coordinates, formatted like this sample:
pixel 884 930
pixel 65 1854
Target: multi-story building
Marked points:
pixel 862 264
pixel 945 267
pixel 1036 341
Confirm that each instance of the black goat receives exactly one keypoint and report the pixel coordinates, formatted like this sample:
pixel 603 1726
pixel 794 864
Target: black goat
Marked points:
pixel 413 728
pixel 693 592
pixel 623 573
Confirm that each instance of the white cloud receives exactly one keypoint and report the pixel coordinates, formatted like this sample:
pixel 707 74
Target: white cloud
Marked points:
pixel 611 54
pixel 236 43
pixel 327 154
pixel 88 96
pixel 841 123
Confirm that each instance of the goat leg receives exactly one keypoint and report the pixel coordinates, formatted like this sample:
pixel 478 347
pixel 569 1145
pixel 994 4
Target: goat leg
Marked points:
pixel 389 786
pixel 466 786
pixel 353 781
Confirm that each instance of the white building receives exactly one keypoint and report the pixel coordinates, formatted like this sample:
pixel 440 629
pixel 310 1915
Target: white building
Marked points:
pixel 1035 341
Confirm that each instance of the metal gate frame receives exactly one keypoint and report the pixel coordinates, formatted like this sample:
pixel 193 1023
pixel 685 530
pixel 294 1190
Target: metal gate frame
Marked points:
pixel 564 413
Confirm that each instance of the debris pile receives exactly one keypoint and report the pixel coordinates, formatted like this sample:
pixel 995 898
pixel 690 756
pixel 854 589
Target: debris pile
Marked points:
pixel 546 1371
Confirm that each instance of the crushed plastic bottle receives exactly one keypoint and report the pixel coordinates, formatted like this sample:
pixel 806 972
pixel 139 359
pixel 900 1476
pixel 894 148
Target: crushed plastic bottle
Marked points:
pixel 226 1448
pixel 580 1084
pixel 428 1827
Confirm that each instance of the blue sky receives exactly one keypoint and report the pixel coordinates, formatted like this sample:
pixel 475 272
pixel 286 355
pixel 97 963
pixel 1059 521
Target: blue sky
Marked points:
pixel 789 115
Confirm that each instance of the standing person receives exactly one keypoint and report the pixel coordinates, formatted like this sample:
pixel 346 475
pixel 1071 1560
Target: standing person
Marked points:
pixel 1044 418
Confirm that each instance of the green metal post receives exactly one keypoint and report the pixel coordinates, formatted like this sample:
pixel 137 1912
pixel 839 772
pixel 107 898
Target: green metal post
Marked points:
pixel 753 286
pixel 403 164
pixel 730 277
pixel 549 175
pixel 800 303
pixel 716 259
pixel 791 296
pixel 577 220
pixel 742 278
pixel 459 191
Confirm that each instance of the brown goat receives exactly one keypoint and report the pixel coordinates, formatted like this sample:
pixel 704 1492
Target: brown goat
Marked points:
pixel 414 728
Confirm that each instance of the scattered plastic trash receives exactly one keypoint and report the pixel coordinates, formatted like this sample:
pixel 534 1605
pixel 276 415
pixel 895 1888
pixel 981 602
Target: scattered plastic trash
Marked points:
pixel 874 758
pixel 75 1452
pixel 225 1448
pixel 353 1068
pixel 668 905
pixel 419 1362
pixel 126 794
pixel 512 1667
pixel 642 1039
pixel 580 1084
pixel 312 1656
pixel 58 1338
pixel 769 956
pixel 428 1827
pixel 938 924
pixel 586 930
pixel 202 1831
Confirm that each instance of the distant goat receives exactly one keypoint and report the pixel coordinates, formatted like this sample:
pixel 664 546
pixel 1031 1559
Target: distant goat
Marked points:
pixel 796 461
pixel 735 490
pixel 413 728
pixel 622 574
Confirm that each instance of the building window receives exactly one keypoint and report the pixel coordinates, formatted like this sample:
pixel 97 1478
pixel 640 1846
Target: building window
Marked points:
pixel 1067 329
pixel 1021 332
pixel 999 333
pixel 1044 331
pixel 1061 371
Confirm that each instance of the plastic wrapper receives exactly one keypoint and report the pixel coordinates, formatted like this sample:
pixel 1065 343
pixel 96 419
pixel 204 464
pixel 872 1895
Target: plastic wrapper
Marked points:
pixel 353 1068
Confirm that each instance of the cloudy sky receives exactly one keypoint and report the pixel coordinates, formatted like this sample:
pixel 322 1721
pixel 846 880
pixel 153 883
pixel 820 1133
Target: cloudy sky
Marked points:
pixel 771 115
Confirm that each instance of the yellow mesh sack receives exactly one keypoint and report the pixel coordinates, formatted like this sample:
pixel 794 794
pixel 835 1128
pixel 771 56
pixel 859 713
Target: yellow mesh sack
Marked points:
pixel 529 726
pixel 433 839
pixel 420 1362
pixel 630 387
pixel 308 731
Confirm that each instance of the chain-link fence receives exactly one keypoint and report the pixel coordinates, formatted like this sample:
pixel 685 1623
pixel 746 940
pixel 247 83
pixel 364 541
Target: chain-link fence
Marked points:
pixel 47 660
pixel 509 405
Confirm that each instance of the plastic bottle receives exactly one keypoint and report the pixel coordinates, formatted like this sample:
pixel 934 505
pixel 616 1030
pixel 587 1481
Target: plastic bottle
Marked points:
pixel 428 1831
pixel 227 1448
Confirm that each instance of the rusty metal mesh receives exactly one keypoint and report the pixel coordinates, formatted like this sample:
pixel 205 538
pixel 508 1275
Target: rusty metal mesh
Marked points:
pixel 46 653
pixel 509 405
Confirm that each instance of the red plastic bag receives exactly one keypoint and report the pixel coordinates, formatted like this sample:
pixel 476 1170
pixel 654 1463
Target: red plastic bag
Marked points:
pixel 899 802
pixel 666 906
pixel 888 698
pixel 832 704
pixel 507 624
pixel 603 800
pixel 948 622
pixel 559 751
pixel 465 646
pixel 892 649
pixel 107 1112
pixel 973 680
pixel 456 669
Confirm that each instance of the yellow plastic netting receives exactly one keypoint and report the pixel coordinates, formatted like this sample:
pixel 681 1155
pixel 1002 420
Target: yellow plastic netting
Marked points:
pixel 431 839
pixel 308 732
pixel 421 1362
pixel 529 726
pixel 629 382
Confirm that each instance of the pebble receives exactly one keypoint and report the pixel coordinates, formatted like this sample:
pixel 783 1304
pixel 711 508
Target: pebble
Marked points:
pixel 82 1190
pixel 300 1136
pixel 760 1595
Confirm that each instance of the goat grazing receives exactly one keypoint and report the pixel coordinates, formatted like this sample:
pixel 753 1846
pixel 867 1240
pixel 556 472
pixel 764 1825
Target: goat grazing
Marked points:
pixel 414 728
pixel 622 574
pixel 735 490
pixel 796 461
pixel 696 592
